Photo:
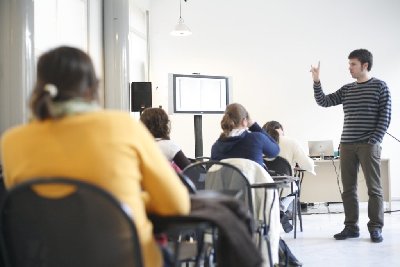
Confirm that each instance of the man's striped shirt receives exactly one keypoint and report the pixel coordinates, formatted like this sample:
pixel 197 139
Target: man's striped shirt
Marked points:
pixel 366 106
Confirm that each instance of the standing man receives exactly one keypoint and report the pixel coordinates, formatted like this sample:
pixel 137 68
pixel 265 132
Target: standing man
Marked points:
pixel 367 111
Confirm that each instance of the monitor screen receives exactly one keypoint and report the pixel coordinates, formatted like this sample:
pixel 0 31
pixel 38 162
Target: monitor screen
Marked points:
pixel 320 149
pixel 198 94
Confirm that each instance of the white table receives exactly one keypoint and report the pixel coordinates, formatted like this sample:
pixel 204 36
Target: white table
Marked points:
pixel 323 187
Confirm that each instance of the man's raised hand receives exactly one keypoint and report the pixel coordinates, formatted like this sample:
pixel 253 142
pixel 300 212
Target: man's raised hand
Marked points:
pixel 315 72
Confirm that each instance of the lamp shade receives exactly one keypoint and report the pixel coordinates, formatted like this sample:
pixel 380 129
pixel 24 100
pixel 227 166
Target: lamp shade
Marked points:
pixel 181 29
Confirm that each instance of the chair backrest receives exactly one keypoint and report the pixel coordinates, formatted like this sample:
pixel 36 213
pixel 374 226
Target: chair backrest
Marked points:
pixel 223 177
pixel 187 183
pixel 280 166
pixel 202 158
pixel 87 227
pixel 2 186
pixel 197 159
pixel 255 174
pixel 196 172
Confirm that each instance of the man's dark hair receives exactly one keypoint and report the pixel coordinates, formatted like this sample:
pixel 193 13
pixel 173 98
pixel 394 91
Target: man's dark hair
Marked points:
pixel 363 55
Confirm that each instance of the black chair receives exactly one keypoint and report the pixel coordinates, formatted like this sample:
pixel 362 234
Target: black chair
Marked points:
pixel 281 167
pixel 197 172
pixel 2 194
pixel 186 236
pixel 2 186
pixel 86 227
pixel 234 183
pixel 202 223
pixel 181 229
pixel 228 179
pixel 190 186
pixel 299 172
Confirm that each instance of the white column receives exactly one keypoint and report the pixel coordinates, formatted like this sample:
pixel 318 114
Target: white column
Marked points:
pixel 17 69
pixel 95 41
pixel 116 57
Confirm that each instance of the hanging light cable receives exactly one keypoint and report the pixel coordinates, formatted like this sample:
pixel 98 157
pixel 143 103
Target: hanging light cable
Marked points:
pixel 181 29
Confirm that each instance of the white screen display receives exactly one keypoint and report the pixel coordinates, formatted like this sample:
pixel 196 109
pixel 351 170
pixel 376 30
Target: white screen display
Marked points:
pixel 199 93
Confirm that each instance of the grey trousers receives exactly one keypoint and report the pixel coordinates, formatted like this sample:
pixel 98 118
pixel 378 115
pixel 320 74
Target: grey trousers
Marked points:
pixel 369 156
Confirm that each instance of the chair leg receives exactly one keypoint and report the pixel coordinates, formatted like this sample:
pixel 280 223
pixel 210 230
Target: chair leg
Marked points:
pixel 268 249
pixel 299 202
pixel 260 238
pixel 299 214
pixel 200 248
pixel 294 214
pixel 214 244
pixel 177 263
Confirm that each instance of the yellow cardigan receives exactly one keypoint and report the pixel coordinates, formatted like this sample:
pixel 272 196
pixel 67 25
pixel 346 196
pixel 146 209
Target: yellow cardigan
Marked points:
pixel 106 148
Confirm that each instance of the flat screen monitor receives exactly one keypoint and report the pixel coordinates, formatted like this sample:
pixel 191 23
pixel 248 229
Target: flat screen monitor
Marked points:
pixel 198 94
pixel 321 149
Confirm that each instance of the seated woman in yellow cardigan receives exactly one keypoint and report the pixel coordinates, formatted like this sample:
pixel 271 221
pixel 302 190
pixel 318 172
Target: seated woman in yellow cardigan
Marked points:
pixel 71 136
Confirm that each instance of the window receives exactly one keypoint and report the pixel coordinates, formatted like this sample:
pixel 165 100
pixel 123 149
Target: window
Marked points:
pixel 138 65
pixel 60 22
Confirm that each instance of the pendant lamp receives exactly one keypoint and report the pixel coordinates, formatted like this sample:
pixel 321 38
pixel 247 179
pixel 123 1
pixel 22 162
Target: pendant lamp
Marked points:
pixel 181 29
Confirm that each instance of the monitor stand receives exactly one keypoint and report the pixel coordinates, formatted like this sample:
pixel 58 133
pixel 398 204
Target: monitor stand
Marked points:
pixel 198 136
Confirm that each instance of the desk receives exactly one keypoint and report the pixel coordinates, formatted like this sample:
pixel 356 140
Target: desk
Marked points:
pixel 323 187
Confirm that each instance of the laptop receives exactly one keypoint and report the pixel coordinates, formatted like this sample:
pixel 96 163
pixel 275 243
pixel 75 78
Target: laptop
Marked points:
pixel 321 149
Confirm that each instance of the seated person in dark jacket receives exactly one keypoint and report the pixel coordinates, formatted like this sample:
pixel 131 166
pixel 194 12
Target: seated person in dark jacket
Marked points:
pixel 242 138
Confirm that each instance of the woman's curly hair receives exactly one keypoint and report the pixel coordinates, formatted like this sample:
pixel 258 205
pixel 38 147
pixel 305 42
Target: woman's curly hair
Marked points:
pixel 157 122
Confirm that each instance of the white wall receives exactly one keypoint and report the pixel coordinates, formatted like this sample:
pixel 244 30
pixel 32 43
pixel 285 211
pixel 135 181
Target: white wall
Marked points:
pixel 268 47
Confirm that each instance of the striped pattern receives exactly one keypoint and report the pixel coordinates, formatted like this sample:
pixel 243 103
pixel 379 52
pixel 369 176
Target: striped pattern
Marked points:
pixel 366 106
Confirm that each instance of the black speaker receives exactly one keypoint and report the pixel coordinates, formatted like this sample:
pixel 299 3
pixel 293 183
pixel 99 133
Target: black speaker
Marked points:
pixel 141 96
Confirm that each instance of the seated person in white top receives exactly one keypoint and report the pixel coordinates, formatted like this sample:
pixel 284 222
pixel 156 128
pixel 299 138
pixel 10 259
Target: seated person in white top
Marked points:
pixel 158 123
pixel 290 149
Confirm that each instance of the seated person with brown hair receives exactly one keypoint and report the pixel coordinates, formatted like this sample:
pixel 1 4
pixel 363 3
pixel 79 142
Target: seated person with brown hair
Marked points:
pixel 158 123
pixel 71 136
pixel 290 149
pixel 243 138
